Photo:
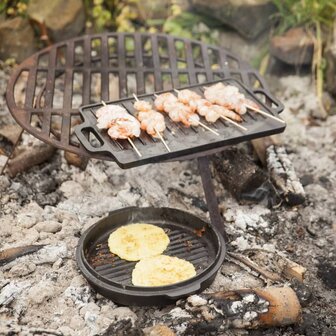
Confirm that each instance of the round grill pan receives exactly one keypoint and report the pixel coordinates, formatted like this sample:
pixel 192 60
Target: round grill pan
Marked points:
pixel 190 237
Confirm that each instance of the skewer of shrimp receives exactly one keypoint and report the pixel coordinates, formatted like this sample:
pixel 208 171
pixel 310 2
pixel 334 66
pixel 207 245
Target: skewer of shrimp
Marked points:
pixel 179 112
pixel 210 111
pixel 230 97
pixel 150 119
pixel 116 133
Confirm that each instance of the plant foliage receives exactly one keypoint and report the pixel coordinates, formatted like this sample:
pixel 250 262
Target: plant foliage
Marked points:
pixel 293 13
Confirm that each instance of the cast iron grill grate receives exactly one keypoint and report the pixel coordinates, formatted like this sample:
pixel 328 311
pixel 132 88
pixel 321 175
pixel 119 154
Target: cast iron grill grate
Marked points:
pixel 59 79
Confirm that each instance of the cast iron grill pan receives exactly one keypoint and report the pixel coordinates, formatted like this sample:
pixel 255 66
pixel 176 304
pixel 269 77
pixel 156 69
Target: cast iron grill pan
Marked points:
pixel 181 140
pixel 111 276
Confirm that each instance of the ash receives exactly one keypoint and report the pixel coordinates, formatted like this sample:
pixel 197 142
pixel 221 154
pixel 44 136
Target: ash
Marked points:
pixel 54 203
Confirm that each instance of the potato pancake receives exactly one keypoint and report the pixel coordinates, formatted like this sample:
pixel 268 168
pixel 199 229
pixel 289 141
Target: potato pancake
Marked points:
pixel 161 270
pixel 137 241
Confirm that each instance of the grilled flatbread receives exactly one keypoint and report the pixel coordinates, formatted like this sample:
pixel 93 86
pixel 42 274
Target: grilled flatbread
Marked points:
pixel 161 270
pixel 137 241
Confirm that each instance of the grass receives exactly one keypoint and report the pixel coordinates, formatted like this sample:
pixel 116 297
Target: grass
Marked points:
pixel 318 17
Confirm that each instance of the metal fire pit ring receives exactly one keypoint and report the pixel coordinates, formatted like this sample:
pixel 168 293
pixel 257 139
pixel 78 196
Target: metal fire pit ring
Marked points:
pixel 111 276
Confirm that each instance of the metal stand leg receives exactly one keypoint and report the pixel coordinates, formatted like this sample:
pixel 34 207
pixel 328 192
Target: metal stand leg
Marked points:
pixel 210 196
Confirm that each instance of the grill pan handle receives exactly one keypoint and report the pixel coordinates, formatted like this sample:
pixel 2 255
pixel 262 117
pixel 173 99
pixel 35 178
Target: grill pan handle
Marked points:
pixel 279 106
pixel 80 132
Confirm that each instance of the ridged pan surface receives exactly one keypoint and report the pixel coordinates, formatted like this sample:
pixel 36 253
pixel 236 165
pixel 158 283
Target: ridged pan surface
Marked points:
pixel 181 140
pixel 190 238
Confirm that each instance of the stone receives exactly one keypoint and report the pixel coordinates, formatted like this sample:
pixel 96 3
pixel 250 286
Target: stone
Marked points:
pixel 71 188
pixel 240 15
pixel 66 331
pixel 64 18
pixel 123 314
pixel 4 182
pixel 17 39
pixel 77 323
pixel 294 47
pixel 91 308
pixel 41 292
pixel 49 226
pixel 22 269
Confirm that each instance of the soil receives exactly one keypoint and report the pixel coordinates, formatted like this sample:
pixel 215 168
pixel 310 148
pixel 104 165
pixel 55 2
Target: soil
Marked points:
pixel 53 203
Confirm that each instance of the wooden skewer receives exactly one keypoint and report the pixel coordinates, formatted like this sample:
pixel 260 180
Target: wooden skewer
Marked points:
pixel 226 118
pixel 264 113
pixel 157 132
pixel 268 115
pixel 208 128
pixel 203 125
pixel 134 147
pixel 161 138
pixel 128 138
pixel 234 123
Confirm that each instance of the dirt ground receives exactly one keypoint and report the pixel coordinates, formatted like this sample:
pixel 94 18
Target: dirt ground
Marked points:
pixel 54 203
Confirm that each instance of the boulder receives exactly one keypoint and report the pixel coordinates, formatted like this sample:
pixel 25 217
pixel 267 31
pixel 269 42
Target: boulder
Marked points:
pixel 249 17
pixel 294 47
pixel 64 18
pixel 17 39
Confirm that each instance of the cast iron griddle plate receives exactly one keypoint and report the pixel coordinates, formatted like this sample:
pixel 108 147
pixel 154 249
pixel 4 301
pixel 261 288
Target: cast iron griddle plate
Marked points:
pixel 190 237
pixel 181 140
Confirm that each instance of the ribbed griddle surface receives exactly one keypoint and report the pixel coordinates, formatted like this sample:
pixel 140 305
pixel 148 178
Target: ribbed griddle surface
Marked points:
pixel 181 140
pixel 184 243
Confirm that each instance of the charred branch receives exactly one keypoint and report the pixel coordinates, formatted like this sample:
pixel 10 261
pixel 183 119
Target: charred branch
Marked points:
pixel 76 160
pixel 283 175
pixel 15 252
pixel 29 158
pixel 240 175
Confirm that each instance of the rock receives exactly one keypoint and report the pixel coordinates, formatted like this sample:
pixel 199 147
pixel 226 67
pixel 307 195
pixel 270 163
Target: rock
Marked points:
pixel 294 47
pixel 5 227
pixel 71 188
pixel 17 39
pixel 90 308
pixel 66 331
pixel 41 292
pixel 49 226
pixel 22 269
pixel 64 18
pixel 240 15
pixel 4 182
pixel 77 323
pixel 123 313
